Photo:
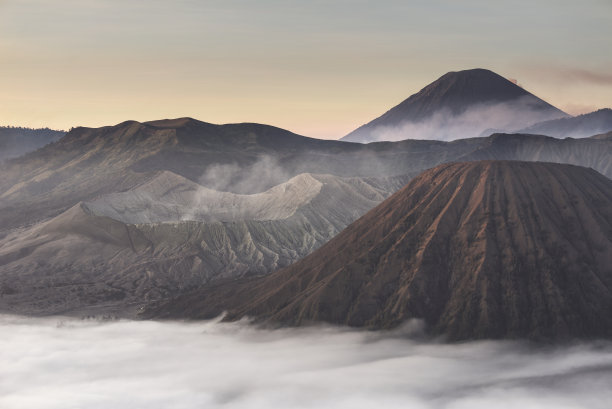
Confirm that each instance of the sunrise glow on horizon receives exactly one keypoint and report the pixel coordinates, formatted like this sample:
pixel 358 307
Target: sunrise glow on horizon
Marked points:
pixel 317 68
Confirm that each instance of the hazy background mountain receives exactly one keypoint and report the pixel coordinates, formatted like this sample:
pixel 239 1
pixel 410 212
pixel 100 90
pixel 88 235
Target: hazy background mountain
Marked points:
pixel 491 249
pixel 16 141
pixel 461 104
pixel 580 126
pixel 539 148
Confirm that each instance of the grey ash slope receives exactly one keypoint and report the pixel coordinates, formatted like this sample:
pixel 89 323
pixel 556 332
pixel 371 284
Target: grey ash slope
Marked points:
pixel 458 105
pixel 172 198
pixel 489 249
pixel 170 235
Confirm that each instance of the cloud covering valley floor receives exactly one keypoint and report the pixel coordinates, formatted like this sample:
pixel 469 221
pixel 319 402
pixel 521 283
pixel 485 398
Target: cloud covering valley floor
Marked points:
pixel 66 363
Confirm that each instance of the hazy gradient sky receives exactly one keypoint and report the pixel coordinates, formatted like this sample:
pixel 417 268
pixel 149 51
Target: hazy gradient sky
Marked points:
pixel 319 68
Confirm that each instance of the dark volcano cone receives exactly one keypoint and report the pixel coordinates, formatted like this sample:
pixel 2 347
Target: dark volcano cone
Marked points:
pixel 493 102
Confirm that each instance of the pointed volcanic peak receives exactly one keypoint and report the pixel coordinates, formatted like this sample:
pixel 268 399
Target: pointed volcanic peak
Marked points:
pixel 460 104
pixel 490 249
pixel 581 126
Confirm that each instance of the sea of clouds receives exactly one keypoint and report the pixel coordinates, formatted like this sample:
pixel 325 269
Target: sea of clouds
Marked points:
pixel 68 363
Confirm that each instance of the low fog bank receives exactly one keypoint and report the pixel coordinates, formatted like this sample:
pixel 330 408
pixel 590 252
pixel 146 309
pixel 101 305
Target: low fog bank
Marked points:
pixel 66 363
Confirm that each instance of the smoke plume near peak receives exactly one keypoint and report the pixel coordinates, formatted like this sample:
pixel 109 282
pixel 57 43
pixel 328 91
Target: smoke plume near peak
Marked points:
pixel 65 363
pixel 515 82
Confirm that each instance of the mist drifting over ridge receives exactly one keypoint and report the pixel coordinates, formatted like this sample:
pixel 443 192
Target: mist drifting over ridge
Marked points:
pixel 255 177
pixel 460 104
pixel 478 120
pixel 65 363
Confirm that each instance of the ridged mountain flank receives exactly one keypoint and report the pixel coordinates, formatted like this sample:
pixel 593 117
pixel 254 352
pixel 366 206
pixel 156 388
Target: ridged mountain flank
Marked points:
pixel 489 249
pixel 460 104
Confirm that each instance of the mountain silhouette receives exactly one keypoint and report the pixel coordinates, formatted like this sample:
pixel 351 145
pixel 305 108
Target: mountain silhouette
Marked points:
pixel 460 104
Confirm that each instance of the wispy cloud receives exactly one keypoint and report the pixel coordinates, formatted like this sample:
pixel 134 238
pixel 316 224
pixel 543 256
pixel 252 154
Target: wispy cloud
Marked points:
pixel 568 75
pixel 582 75
pixel 55 363
pixel 256 177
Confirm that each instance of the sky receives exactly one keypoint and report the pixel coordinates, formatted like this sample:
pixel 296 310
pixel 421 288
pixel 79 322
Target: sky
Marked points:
pixel 318 68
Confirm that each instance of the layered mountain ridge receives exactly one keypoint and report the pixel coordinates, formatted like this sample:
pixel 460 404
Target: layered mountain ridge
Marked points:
pixel 489 249
pixel 247 158
pixel 174 204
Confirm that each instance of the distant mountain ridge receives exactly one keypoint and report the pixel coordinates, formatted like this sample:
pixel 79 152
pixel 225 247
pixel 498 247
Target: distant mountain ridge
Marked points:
pixel 580 126
pixel 607 135
pixel 490 249
pixel 458 105
pixel 250 158
pixel 16 141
